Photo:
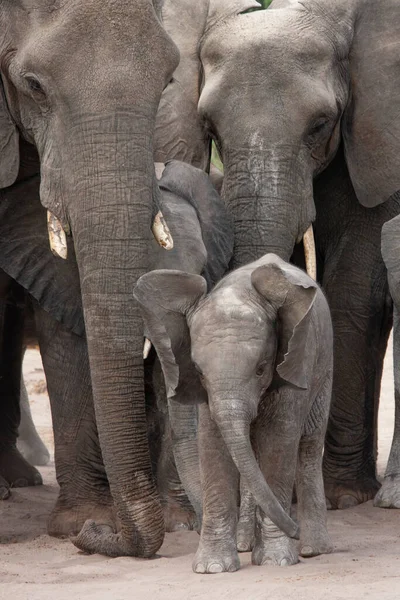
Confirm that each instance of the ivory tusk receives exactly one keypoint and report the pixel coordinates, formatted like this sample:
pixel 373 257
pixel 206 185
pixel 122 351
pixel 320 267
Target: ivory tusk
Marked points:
pixel 309 253
pixel 146 348
pixel 58 240
pixel 161 232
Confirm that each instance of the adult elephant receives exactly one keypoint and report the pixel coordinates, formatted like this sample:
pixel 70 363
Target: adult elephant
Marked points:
pixel 82 82
pixel 296 95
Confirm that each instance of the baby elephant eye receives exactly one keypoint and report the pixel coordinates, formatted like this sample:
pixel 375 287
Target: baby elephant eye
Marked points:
pixel 260 370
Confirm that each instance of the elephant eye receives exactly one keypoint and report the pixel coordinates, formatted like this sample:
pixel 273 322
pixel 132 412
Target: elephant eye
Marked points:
pixel 198 370
pixel 34 84
pixel 318 127
pixel 260 370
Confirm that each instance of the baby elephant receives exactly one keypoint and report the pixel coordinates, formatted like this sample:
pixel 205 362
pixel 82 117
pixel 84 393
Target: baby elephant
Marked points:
pixel 261 345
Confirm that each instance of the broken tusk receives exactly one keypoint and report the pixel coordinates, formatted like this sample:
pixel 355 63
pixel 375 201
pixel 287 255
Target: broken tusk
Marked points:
pixel 58 240
pixel 146 348
pixel 161 232
pixel 309 253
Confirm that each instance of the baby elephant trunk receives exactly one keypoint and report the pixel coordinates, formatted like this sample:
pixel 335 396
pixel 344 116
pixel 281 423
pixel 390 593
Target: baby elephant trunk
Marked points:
pixel 237 439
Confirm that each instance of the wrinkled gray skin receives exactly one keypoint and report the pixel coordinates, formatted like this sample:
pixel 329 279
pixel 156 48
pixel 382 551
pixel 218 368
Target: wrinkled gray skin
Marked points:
pixel 301 94
pixel 203 235
pixel 91 113
pixel 203 244
pixel 55 319
pixel 261 344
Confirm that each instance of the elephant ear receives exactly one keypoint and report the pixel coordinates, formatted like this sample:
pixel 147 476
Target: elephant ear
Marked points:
pixel 371 127
pixel 292 294
pixel 178 131
pixel 164 297
pixel 216 224
pixel 9 144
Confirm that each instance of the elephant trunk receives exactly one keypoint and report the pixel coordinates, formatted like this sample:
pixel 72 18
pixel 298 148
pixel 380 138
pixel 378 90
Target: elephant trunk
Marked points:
pixel 271 200
pixel 110 220
pixel 236 435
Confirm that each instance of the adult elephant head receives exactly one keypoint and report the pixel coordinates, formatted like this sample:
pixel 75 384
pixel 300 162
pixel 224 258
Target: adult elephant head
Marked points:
pixel 82 82
pixel 282 87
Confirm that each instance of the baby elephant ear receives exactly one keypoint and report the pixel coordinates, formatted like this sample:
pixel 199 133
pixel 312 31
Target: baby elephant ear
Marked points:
pixel 9 144
pixel 164 297
pixel 292 294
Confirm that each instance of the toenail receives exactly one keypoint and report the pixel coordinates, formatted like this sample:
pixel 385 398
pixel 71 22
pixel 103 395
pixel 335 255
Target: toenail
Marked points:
pixel 215 568
pixel 284 562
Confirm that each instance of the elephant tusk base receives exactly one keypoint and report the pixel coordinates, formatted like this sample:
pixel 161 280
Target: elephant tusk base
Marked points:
pixel 161 232
pixel 309 253
pixel 146 348
pixel 57 237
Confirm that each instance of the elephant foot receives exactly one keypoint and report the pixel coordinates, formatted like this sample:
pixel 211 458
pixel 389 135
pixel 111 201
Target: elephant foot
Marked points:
pixel 313 543
pixel 16 470
pixel 65 521
pixel 210 559
pixel 280 551
pixel 245 536
pixel 4 489
pixel 389 494
pixel 341 495
pixel 178 517
pixel 34 451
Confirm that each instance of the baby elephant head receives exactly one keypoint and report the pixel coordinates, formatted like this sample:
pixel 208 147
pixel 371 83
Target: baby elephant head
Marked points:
pixel 253 327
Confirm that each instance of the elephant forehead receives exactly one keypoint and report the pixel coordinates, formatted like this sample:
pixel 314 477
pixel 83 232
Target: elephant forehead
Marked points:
pixel 228 307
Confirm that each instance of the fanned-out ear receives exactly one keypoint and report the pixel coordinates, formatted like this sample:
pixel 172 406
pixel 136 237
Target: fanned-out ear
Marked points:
pixel 292 293
pixel 371 127
pixel 164 297
pixel 9 144
pixel 221 9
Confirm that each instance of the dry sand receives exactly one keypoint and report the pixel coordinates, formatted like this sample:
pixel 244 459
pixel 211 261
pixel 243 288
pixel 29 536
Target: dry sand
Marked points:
pixel 33 566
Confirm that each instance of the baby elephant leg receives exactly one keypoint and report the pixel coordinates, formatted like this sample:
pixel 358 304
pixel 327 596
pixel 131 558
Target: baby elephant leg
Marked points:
pixel 219 477
pixel 311 503
pixel 247 520
pixel 277 433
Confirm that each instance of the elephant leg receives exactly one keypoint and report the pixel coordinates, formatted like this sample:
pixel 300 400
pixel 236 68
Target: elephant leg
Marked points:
pixel 29 443
pixel 247 520
pixel 311 504
pixel 181 450
pixel 177 509
pixel 14 469
pixel 4 489
pixel 247 513
pixel 355 283
pixel 178 471
pixel 84 491
pixel 277 435
pixel 220 480
pixel 389 494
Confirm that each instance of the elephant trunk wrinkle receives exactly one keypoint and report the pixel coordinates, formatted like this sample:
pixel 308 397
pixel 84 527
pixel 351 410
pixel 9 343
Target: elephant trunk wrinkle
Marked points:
pixel 111 217
pixel 236 434
pixel 272 206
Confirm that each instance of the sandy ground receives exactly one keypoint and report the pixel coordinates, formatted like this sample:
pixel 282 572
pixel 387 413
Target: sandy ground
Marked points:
pixel 33 566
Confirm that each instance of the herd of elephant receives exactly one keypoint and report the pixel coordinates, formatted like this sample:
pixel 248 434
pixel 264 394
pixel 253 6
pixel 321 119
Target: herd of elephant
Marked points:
pixel 254 387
